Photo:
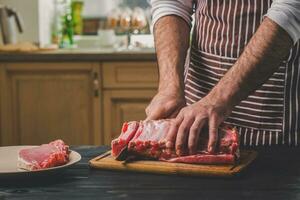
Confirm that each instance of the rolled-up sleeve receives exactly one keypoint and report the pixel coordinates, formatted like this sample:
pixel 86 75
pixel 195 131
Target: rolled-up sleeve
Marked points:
pixel 286 13
pixel 181 8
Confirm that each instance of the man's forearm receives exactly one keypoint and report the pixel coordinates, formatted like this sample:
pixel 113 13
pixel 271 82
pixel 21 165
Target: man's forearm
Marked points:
pixel 171 42
pixel 260 59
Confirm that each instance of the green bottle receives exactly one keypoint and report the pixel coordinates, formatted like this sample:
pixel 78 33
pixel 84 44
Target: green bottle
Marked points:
pixel 67 30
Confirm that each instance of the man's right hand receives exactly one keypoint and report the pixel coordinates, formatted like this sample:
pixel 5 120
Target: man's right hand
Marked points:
pixel 172 35
pixel 165 105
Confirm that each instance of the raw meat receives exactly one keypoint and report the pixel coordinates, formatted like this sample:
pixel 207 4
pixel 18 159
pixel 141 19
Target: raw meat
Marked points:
pixel 148 139
pixel 45 156
pixel 127 133
pixel 148 142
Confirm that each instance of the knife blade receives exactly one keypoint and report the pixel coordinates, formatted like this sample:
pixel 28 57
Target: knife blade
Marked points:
pixel 123 154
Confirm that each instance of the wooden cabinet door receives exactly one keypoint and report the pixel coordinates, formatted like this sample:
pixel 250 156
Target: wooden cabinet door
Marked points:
pixel 41 102
pixel 130 75
pixel 123 105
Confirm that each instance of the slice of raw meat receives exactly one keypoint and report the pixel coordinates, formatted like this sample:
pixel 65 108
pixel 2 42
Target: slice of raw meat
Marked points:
pixel 148 143
pixel 45 156
pixel 128 131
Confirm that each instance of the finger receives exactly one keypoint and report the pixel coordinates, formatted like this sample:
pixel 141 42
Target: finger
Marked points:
pixel 171 136
pixel 213 134
pixel 194 135
pixel 182 136
pixel 159 112
pixel 155 114
pixel 175 112
pixel 147 110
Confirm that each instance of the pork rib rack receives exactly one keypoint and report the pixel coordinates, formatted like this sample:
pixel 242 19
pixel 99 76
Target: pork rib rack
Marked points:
pixel 45 156
pixel 145 139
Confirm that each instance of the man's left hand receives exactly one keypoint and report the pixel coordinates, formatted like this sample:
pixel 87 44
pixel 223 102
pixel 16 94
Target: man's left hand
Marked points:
pixel 186 128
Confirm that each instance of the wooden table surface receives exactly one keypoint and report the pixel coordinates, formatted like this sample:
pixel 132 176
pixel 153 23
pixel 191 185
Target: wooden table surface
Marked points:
pixel 274 175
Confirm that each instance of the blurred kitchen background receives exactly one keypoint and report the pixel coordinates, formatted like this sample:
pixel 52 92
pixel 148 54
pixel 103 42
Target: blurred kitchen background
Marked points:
pixel 81 23
pixel 74 69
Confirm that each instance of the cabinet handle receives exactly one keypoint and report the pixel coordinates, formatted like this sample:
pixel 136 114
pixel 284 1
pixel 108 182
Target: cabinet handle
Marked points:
pixel 96 84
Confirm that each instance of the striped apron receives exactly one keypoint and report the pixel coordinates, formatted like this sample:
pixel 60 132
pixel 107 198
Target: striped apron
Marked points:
pixel 270 115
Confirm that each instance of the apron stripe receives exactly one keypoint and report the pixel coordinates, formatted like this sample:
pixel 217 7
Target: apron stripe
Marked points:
pixel 240 30
pixel 261 10
pixel 228 28
pixel 245 136
pixel 254 17
pixel 270 138
pixel 257 138
pixel 264 137
pixel 213 56
pixel 251 137
pixel 204 26
pixel 208 31
pixel 297 100
pixel 262 107
pixel 251 115
pixel 219 25
pixel 285 113
pixel 223 28
pixel 277 137
pixel 247 23
pixel 263 122
pixel 293 94
pixel 259 112
pixel 233 31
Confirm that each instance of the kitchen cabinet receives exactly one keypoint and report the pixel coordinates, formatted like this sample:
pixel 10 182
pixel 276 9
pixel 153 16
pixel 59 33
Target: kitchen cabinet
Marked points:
pixel 121 106
pixel 130 75
pixel 83 103
pixel 44 101
pixel 128 89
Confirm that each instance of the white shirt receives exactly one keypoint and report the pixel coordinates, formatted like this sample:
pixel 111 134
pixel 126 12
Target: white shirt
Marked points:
pixel 286 13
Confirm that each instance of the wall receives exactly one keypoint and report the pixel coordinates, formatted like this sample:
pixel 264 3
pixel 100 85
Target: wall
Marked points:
pixel 98 8
pixel 37 17
pixel 29 13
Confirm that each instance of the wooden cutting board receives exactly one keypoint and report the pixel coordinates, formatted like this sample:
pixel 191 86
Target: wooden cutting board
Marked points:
pixel 106 161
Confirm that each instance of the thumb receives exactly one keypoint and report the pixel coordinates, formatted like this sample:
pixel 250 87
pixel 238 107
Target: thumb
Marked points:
pixel 213 135
pixel 161 112
pixel 155 114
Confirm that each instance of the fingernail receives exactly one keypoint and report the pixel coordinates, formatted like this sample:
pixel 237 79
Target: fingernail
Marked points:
pixel 210 149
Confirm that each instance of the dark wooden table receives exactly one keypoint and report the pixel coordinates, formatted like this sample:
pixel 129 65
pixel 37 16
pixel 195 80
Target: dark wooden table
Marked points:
pixel 274 175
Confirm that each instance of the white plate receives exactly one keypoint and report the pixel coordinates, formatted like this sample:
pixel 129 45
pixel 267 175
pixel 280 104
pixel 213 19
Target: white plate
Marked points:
pixel 9 160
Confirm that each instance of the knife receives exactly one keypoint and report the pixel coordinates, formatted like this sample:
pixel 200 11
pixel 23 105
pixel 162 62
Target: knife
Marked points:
pixel 123 154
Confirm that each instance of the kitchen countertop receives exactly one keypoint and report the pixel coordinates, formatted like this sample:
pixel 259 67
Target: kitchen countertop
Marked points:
pixel 274 175
pixel 106 54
